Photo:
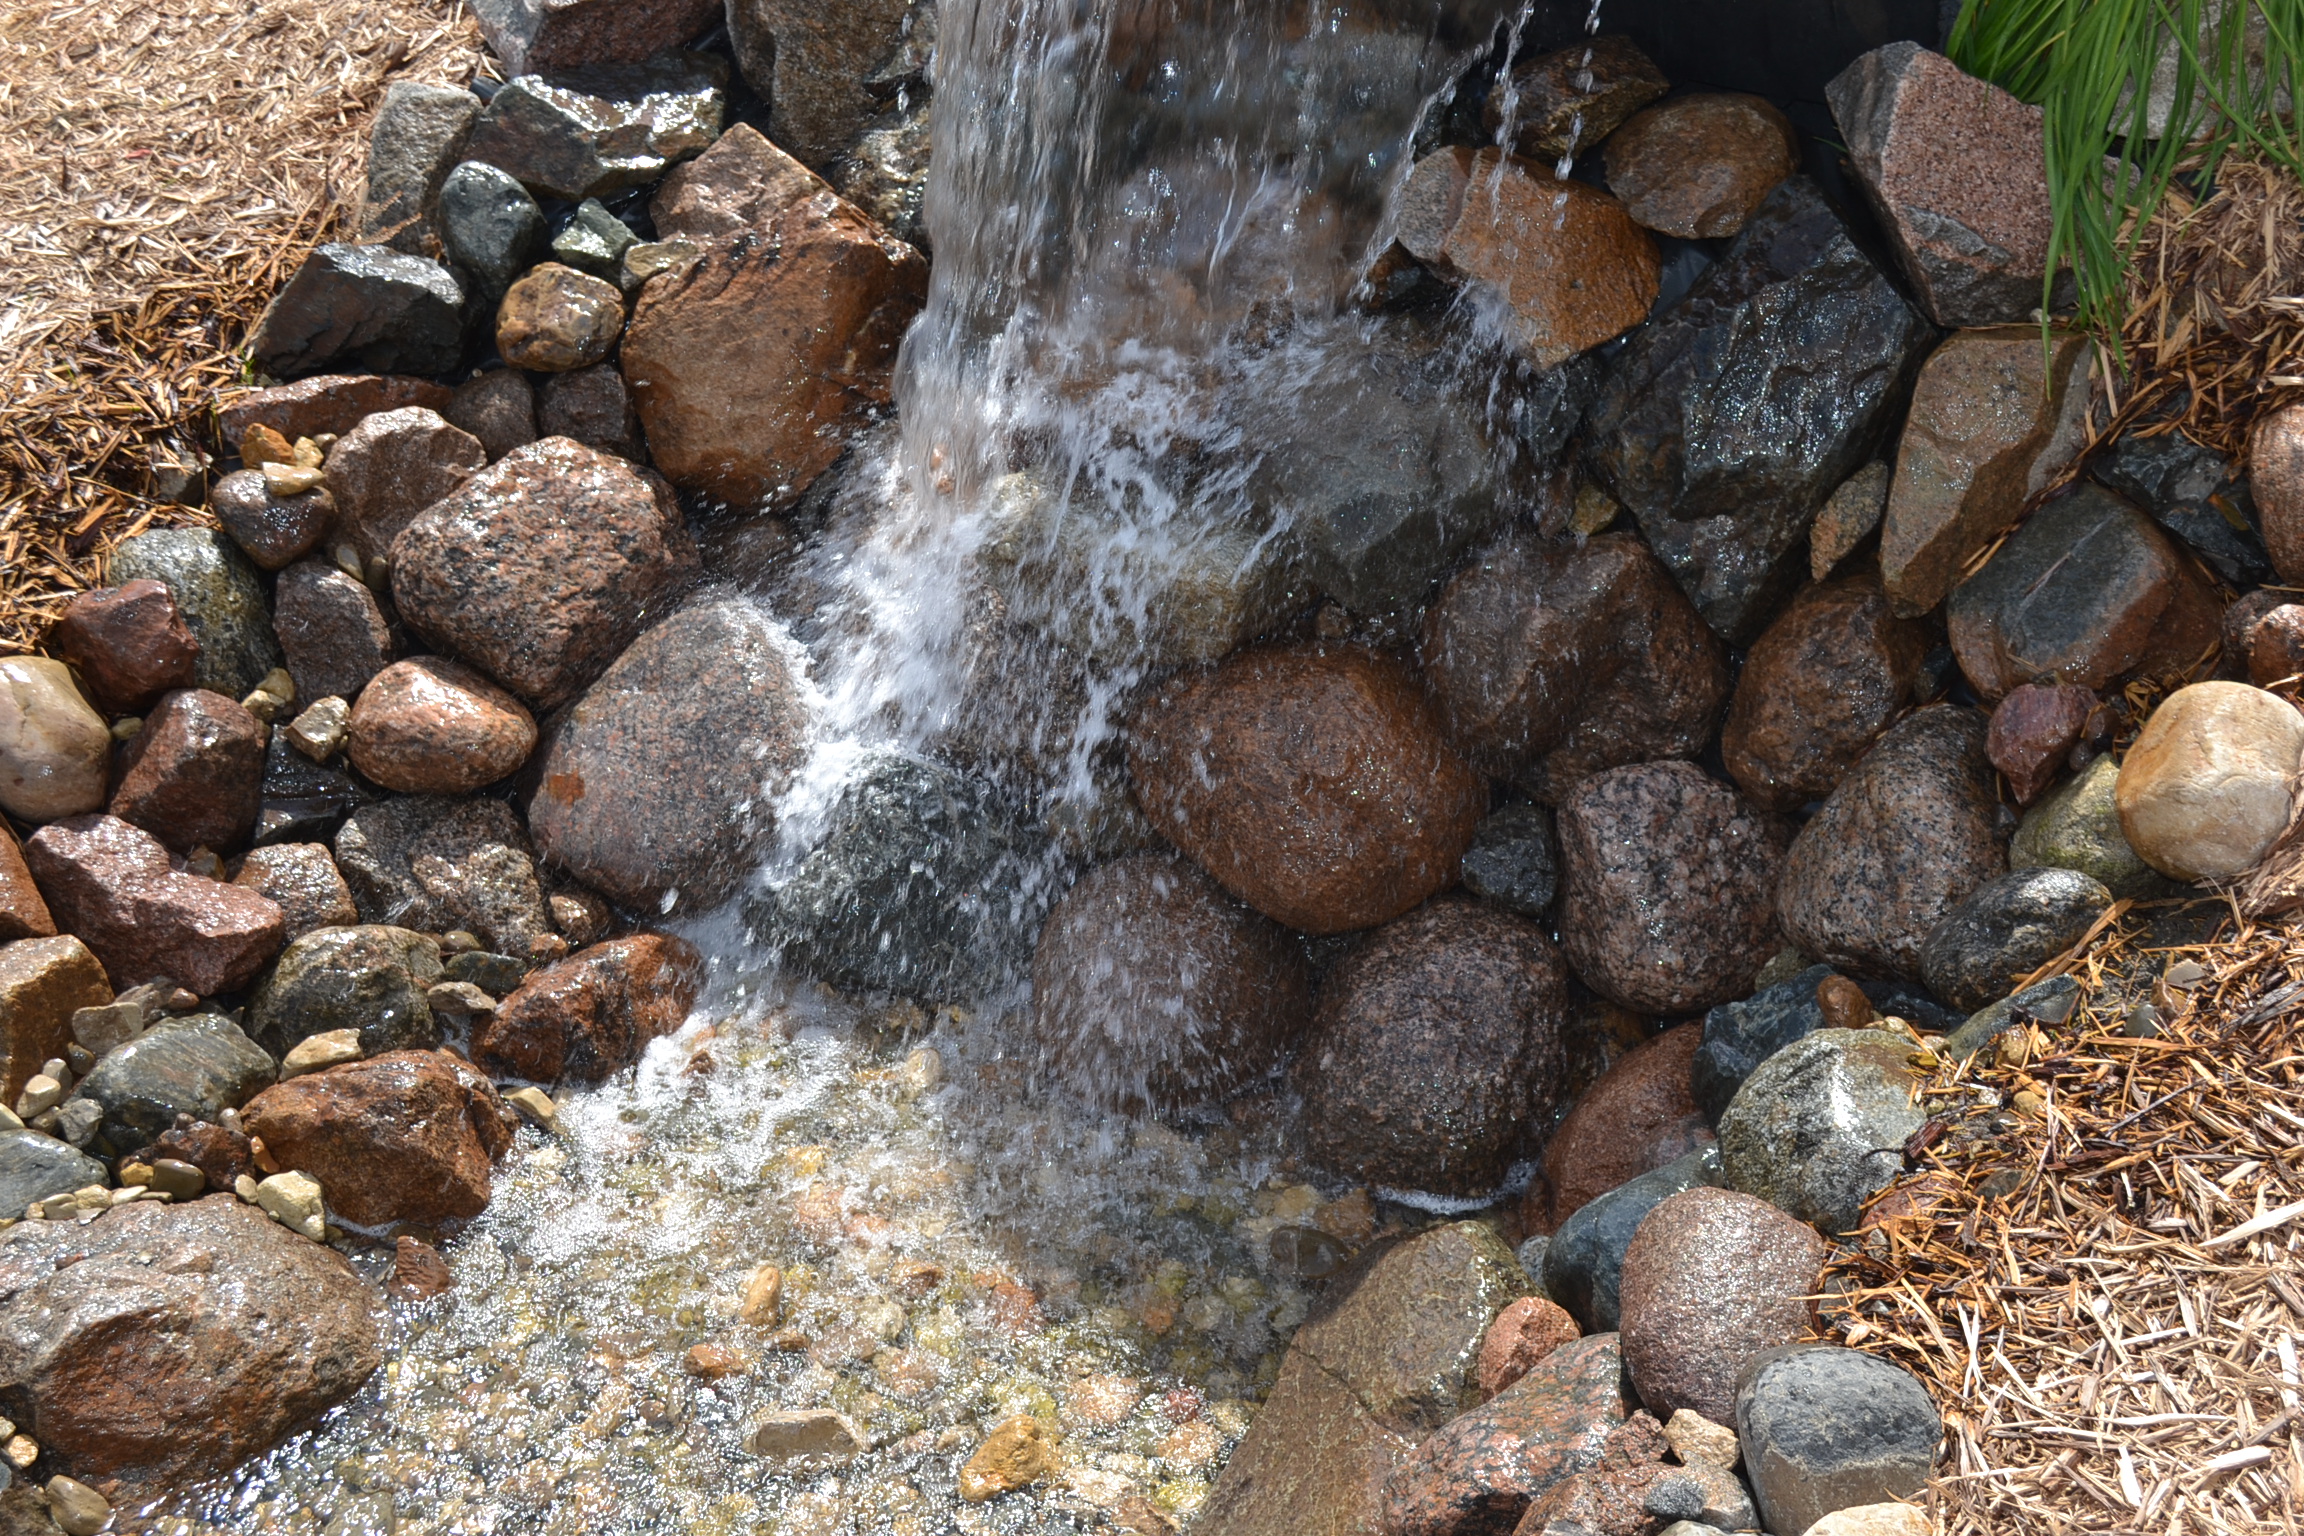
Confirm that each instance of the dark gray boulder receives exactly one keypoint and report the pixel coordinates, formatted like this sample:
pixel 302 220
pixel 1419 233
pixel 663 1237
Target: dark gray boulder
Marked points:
pixel 199 1065
pixel 220 594
pixel 1740 1036
pixel 2006 929
pixel 1584 1262
pixel 371 978
pixel 34 1166
pixel 362 309
pixel 1819 1127
pixel 434 864
pixel 598 129
pixel 1825 1428
pixel 2196 494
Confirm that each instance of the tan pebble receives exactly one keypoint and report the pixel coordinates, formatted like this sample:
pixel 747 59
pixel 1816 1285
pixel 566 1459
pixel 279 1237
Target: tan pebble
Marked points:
pixel 764 1297
pixel 1699 1442
pixel 21 1451
pixel 1189 1447
pixel 2028 1103
pixel 713 1362
pixel 1015 1455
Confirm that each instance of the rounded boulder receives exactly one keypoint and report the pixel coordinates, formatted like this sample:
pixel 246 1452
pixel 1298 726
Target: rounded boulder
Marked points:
pixel 1641 1115
pixel 431 726
pixel 2206 790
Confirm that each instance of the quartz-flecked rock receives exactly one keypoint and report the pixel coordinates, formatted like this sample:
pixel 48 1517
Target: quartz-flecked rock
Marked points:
pixel 364 307
pixel 332 631
pixel 300 879
pixel 369 978
pixel 589 1016
pixel 2006 929
pixel 197 1064
pixel 1638 1117
pixel 541 36
pixel 1697 166
pixel 2205 791
pixel 1566 101
pixel 112 884
pixel 53 746
pixel 595 129
pixel 220 596
pixel 1819 1127
pixel 404 1136
pixel 43 982
pixel 128 645
pixel 1584 1261
pixel 271 529
pixel 555 318
pixel 436 864
pixel 391 467
pixel 194 776
pixel 1825 1428
pixel 325 403
pixel 430 726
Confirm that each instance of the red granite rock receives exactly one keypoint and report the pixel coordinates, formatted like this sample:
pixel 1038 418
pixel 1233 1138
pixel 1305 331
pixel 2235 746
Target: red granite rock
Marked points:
pixel 128 644
pixel 23 914
pixel 740 185
pixel 302 880
pixel 391 467
pixel 194 776
pixel 2276 480
pixel 593 406
pixel 590 1015
pixel 43 982
pixel 556 35
pixel 2034 730
pixel 1611 1497
pixel 1641 1115
pixel 112 884
pixel 272 530
pixel 1698 166
pixel 405 1136
pixel 1523 1333
pixel 2276 646
pixel 431 726
pixel 328 402
pixel 332 631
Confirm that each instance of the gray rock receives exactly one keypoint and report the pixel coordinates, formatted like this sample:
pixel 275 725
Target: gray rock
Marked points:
pixel 594 241
pixel 599 129
pixel 33 1167
pixel 2006 929
pixel 332 631
pixel 540 36
pixel 1731 417
pixel 490 227
pixel 1820 1127
pixel 496 975
pixel 886 173
pixel 1826 1428
pixel 220 595
pixel 2077 827
pixel 1740 1036
pixel 362 309
pixel 304 801
pixel 1584 1263
pixel 417 135
pixel 436 864
pixel 1514 860
pixel 1712 1498
pixel 198 1065
pixel 813 64
pixel 371 978
pixel 2050 1002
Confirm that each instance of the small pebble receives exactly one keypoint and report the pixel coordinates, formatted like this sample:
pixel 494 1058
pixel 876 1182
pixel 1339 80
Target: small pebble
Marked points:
pixel 22 1451
pixel 1015 1455
pixel 78 1508
pixel 2142 1023
pixel 714 1362
pixel 536 1106
pixel 42 1092
pixel 315 1053
pixel 320 730
pixel 764 1297
pixel 127 727
pixel 1699 1442
pixel 295 1201
pixel 171 1176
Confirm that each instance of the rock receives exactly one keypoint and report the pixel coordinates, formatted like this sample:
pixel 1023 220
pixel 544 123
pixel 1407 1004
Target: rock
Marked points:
pixel 219 594
pixel 1819 1127
pixel 371 978
pixel 746 363
pixel 650 257
pixel 1563 103
pixel 498 408
pixel 418 1271
pixel 811 1439
pixel 1667 887
pixel 112 884
pixel 567 34
pixel 1514 860
pixel 220 1155
pixel 1344 834
pixel 662 777
pixel 1712 1278
pixel 318 731
pixel 594 241
pixel 2078 827
pixel 317 1053
pixel 34 1166
pixel 430 726
pixel 2276 475
pixel 1825 1429
pixel 587 132
pixel 2046 1002
pixel 1152 989
pixel 1018 1453
pixel 435 865
pixel 23 914
pixel 886 173
pixel 1438 1038
pixel 918 887
pixel 1583 1264
pixel 1728 420
pixel 1851 515
pixel 2205 790
pixel 2004 930
pixel 1818 688
pixel 392 466
pixel 295 1200
pixel 1701 1442
pixel 43 982
pixel 1614 1496
pixel 128 645
pixel 541 568
pixel 1638 1117
pixel 329 403
pixel 1523 1333
pixel 1995 416
pixel 1698 166
pixel 413 140
pixel 536 1106
pixel 556 318
pixel 1568 265
pixel 592 406
pixel 272 530
pixel 1874 1520
pixel 492 229
pixel 194 776
pixel 2034 730
pixel 2276 647
pixel 2197 495
pixel 333 633
pixel 53 747
pixel 811 64
pixel 405 1136
pixel 589 1016
pixel 1910 831
pixel 742 185
pixel 199 1065
pixel 364 306
pixel 1957 170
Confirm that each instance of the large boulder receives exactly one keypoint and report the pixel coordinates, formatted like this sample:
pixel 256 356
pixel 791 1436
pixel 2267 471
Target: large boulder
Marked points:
pixel 412 141
pixel 218 592
pixel 1638 1117
pixel 814 64
pixel 600 128
pixel 114 885
pixel 369 978
pixel 590 1016
pixel 54 748
pixel 1566 101
pixel 430 726
pixel 2206 790
pixel 198 1064
pixel 365 307
pixel 435 864
pixel 1825 1429
pixel 405 1136
pixel 2006 929
pixel 391 467
pixel 43 982
pixel 1819 1128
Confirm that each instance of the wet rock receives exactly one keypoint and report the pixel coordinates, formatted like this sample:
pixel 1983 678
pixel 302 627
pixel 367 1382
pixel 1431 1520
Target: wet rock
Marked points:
pixel 886 174
pixel 1638 1117
pixel 391 467
pixel 1851 515
pixel 592 406
pixel 121 1332
pixel 1910 831
pixel 2034 730
pixel 589 1016
pixel 1569 267
pixel 807 1440
pixel 296 1201
pixel 2047 1002
pixel 328 403
pixel 589 131
pixel 2197 495
pixel 1957 170
pixel 53 747
pixel 1995 416
pixel 491 229
pixel 112 884
pixel 1584 1262
pixel 1151 988
pixel 567 34
pixel 652 257
pixel 405 1136
pixel 1514 860
pixel 2205 790
pixel 413 140
pixel 1667 887
pixel 541 568
pixel 430 726
pixel 594 241
pixel 199 1065
pixel 2276 475
pixel 301 880
pixel 1730 418
pixel 2004 930
pixel 1563 103
pixel 2078 828
pixel 2276 647
pixel 23 914
pixel 34 1167
pixel 1819 1127
pixel 1612 1497
pixel 43 982
pixel 661 778
pixel 368 978
pixel 556 318
pixel 272 530
pixel 219 1154
pixel 1698 166
pixel 811 64
pixel 418 1271
pixel 435 865
pixel 365 307
pixel 741 186
pixel 332 632
pixel 193 777
pixel 220 596
pixel 128 645
pixel 1523 1333
pixel 1438 1037
pixel 1018 1453
pixel 1312 782
pixel 1712 1278
pixel 1825 1428
pixel 498 408
pixel 1818 688
pixel 746 363
pixel 917 888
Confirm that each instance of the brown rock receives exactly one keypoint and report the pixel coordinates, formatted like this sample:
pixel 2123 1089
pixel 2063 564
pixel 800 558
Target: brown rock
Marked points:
pixel 43 982
pixel 2276 480
pixel 2276 646
pixel 590 1015
pixel 405 1136
pixel 1565 257
pixel 433 864
pixel 332 631
pixel 1438 1039
pixel 1151 988
pixel 391 467
pixel 221 1155
pixel 1019 1452
pixel 1639 1116
pixel 2034 730
pixel 558 35
pixel 1909 832
pixel 2241 617
pixel 1565 102
pixel 302 880
pixel 112 884
pixel 1841 1004
pixel 23 915
pixel 431 726
pixel 1851 515
pixel 556 318
pixel 1712 1278
pixel 1818 687
pixel 498 408
pixel 194 776
pixel 1611 1497
pixel 272 530
pixel 806 58
pixel 418 1271
pixel 128 644
pixel 1550 662
pixel 592 406
pixel 1994 418
pixel 1667 885
pixel 1523 1333
pixel 739 186
pixel 1698 166
pixel 1312 782
pixel 745 363
pixel 328 402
